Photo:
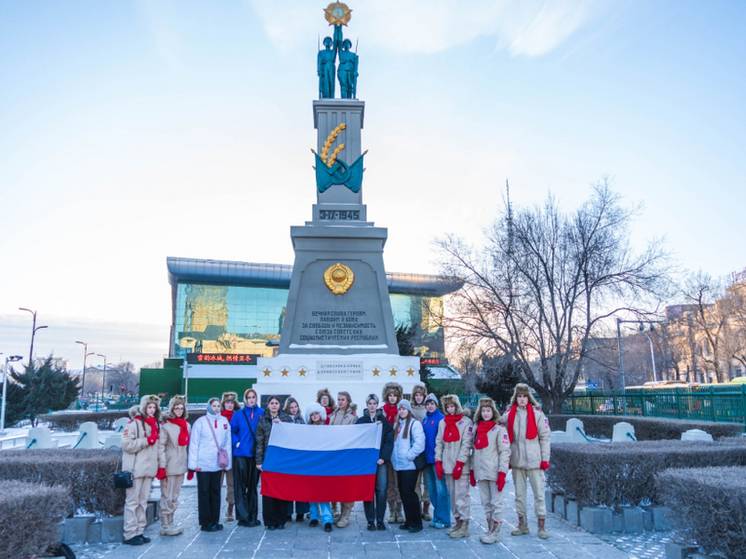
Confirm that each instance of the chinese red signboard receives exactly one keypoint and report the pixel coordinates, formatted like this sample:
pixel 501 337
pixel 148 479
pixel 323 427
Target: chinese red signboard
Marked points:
pixel 221 359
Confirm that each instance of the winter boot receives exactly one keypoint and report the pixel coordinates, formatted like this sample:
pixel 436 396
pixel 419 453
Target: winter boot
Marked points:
pixel 522 528
pixel 462 532
pixel 456 526
pixel 426 511
pixel 487 536
pixel 543 534
pixel 229 513
pixel 493 535
pixel 166 522
pixel 392 512
pixel 344 517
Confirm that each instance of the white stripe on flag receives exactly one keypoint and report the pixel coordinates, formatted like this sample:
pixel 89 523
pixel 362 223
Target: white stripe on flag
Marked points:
pixel 325 437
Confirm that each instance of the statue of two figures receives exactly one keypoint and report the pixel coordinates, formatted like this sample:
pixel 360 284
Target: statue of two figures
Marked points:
pixel 346 72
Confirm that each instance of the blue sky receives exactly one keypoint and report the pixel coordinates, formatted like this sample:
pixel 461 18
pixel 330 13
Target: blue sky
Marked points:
pixel 130 131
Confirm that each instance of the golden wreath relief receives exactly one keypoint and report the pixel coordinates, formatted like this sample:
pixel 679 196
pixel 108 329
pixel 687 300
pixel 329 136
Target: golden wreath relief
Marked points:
pixel 339 278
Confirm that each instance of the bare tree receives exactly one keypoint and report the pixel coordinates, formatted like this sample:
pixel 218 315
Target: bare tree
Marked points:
pixel 544 281
pixel 710 318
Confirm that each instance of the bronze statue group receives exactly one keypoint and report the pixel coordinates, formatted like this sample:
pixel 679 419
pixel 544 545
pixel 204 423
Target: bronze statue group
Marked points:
pixel 431 453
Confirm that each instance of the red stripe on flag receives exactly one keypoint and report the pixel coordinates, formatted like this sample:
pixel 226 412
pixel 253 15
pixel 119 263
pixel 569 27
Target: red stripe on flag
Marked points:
pixel 318 489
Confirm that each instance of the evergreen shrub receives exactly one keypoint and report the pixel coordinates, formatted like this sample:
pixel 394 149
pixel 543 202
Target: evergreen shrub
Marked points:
pixel 85 474
pixel 710 504
pixel 619 474
pixel 29 517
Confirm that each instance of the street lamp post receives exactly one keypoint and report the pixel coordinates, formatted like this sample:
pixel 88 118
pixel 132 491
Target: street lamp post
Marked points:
pixel 34 329
pixel 8 359
pixel 85 356
pixel 103 380
pixel 187 343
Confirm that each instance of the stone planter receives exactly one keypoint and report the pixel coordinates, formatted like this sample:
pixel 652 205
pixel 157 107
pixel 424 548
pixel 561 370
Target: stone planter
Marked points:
pixel 82 529
pixel 596 520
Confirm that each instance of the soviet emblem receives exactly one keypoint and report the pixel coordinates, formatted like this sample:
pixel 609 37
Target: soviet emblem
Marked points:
pixel 338 278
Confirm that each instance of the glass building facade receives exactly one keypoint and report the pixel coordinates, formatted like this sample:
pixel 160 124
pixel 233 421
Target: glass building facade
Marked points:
pixel 238 307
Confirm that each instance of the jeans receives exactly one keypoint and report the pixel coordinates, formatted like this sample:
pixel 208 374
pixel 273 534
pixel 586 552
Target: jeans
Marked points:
pixel 407 480
pixel 376 509
pixel 438 495
pixel 324 510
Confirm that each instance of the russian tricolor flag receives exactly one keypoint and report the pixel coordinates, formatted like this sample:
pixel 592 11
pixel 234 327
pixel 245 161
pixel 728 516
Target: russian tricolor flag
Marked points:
pixel 318 463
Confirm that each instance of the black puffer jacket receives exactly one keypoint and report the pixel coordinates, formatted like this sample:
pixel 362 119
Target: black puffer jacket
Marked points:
pixel 387 437
pixel 263 430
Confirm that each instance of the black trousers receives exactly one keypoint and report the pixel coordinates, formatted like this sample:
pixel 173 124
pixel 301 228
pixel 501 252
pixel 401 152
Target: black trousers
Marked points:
pixel 274 511
pixel 245 481
pixel 208 497
pixel 410 501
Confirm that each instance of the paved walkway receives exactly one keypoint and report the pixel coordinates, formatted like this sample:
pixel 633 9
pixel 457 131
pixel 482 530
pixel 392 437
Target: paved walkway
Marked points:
pixel 299 540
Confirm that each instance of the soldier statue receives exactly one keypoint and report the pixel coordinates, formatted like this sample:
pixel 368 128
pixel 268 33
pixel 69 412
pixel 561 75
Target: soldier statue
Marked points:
pixel 325 69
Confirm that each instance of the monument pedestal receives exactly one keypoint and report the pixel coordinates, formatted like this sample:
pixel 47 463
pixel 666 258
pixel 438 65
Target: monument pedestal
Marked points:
pixel 302 375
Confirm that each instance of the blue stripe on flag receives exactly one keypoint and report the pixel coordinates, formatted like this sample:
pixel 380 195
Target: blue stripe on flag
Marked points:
pixel 348 462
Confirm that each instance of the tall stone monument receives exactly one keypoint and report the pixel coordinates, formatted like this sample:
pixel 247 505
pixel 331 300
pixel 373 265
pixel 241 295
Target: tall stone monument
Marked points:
pixel 338 331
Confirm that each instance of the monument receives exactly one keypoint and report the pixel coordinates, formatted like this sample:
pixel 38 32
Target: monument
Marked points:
pixel 338 330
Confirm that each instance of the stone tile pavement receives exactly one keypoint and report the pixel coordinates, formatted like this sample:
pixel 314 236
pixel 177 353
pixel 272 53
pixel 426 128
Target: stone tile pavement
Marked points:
pixel 299 540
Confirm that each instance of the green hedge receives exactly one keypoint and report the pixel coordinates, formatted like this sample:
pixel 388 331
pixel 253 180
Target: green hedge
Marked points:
pixel 617 474
pixel 86 474
pixel 29 517
pixel 710 504
pixel 646 428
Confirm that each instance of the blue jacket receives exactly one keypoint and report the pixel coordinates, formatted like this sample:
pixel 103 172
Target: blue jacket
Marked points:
pixel 243 434
pixel 430 426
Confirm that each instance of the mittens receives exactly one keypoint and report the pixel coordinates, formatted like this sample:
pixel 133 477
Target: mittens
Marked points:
pixel 190 475
pixel 439 469
pixel 161 474
pixel 500 481
pixel 458 469
pixel 544 465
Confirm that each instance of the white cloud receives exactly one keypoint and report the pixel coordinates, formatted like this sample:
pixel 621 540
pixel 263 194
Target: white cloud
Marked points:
pixel 524 28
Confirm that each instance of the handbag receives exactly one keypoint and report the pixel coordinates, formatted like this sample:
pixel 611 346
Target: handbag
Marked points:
pixel 222 453
pixel 124 480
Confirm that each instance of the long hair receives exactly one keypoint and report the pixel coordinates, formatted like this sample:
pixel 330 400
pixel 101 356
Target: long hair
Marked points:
pixel 407 426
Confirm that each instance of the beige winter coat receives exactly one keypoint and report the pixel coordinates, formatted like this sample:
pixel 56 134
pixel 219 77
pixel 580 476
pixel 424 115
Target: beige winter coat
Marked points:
pixel 458 451
pixel 339 417
pixel 528 454
pixel 172 456
pixel 494 458
pixel 138 456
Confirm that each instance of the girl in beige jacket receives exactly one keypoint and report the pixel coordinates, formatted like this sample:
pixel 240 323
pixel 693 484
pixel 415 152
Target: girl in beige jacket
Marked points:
pixel 529 433
pixel 490 463
pixel 452 451
pixel 140 456
pixel 173 449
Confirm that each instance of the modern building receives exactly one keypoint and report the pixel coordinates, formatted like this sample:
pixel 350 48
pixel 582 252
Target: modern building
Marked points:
pixel 225 314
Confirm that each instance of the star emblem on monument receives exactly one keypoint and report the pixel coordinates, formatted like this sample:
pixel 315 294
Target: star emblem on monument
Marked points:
pixel 284 372
pixel 301 372
pixel 376 372
pixel 267 372
pixel 392 371
pixel 410 372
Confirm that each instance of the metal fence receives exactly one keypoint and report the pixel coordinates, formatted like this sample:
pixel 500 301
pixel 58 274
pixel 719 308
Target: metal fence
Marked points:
pixel 710 404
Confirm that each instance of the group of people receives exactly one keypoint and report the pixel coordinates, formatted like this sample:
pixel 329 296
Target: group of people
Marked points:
pixel 431 453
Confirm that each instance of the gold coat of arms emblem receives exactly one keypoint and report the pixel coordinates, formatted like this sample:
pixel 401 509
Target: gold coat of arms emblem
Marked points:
pixel 339 278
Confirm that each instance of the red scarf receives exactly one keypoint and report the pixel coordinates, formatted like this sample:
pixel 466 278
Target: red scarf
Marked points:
pixel 391 411
pixel 451 434
pixel 531 430
pixel 153 422
pixel 483 427
pixel 329 411
pixel 183 431
pixel 228 414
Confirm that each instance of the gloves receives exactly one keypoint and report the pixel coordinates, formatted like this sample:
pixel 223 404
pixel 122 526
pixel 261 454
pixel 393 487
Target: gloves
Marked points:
pixel 439 469
pixel 500 481
pixel 190 475
pixel 152 440
pixel 472 479
pixel 457 470
pixel 160 474
pixel 544 465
